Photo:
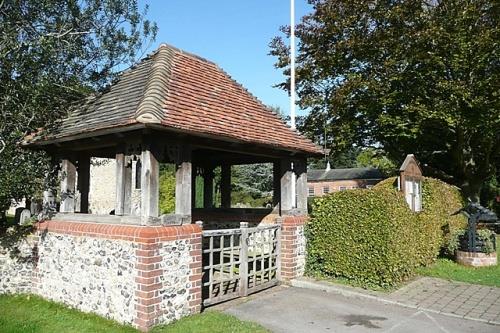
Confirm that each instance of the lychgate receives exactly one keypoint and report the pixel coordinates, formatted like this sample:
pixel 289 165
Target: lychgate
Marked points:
pixel 179 109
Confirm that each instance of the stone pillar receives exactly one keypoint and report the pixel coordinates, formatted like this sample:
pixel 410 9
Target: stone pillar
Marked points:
pixel 225 186
pixel 183 179
pixel 293 247
pixel 150 174
pixel 208 187
pixel 84 182
pixel 286 192
pixel 68 178
pixel 300 169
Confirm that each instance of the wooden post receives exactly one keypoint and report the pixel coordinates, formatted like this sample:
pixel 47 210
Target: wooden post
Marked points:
pixel 68 178
pixel 279 221
pixel 120 184
pixel 127 180
pixel 208 187
pixel 84 182
pixel 276 185
pixel 183 179
pixel 225 186
pixel 150 174
pixel 300 169
pixel 286 195
pixel 244 259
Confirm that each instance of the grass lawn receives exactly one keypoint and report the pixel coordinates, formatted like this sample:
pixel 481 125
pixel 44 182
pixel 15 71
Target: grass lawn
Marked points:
pixel 23 313
pixel 448 269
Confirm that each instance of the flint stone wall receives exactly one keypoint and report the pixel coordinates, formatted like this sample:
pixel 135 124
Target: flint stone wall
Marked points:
pixel 301 250
pixel 141 276
pixel 175 282
pixel 91 274
pixel 16 269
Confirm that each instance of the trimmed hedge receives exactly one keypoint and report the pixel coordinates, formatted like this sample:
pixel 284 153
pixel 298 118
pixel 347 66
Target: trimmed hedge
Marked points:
pixel 438 219
pixel 372 238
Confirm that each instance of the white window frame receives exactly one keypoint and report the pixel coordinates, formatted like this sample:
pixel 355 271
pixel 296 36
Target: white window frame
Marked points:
pixel 310 191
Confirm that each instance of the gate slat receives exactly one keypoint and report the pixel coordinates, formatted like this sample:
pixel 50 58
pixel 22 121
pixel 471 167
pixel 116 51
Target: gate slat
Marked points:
pixel 245 249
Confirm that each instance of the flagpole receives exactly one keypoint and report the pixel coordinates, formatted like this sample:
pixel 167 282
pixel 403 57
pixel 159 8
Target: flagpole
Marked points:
pixel 292 89
pixel 292 64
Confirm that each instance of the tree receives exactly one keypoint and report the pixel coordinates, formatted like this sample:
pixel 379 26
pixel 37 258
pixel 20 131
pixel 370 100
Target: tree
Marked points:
pixel 376 158
pixel 407 76
pixel 53 54
pixel 255 180
pixel 167 189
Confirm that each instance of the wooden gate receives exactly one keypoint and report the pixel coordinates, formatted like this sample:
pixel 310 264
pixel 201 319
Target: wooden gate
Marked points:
pixel 239 262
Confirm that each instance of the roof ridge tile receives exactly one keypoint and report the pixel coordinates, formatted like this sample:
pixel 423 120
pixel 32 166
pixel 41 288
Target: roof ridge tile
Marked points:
pixel 150 109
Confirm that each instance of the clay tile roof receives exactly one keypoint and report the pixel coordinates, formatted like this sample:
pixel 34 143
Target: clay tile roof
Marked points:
pixel 182 91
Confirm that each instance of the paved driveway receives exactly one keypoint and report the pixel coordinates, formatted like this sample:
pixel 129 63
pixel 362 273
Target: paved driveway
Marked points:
pixel 456 298
pixel 304 310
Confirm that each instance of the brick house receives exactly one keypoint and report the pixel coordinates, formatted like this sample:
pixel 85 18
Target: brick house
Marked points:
pixel 324 181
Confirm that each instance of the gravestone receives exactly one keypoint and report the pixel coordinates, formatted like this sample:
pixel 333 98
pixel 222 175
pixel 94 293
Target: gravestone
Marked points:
pixel 49 203
pixel 17 215
pixel 35 207
pixel 25 216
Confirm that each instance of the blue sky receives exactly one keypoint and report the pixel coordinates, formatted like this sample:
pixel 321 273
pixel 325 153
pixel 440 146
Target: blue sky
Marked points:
pixel 235 34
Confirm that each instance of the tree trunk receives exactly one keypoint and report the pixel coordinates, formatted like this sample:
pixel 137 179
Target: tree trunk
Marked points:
pixel 471 189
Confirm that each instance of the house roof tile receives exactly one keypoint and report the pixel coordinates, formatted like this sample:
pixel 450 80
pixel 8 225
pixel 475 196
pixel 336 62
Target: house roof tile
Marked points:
pixel 344 174
pixel 182 91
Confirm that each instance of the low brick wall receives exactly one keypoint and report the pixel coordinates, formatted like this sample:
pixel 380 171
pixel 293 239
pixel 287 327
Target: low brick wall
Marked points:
pixel 476 259
pixel 142 276
pixel 293 247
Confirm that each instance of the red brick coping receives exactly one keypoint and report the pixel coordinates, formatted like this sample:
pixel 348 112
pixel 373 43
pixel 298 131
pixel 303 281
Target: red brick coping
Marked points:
pixel 140 234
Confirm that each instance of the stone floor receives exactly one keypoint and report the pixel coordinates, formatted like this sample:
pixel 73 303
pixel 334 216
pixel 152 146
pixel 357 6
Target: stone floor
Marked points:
pixel 298 310
pixel 461 299
pixel 454 299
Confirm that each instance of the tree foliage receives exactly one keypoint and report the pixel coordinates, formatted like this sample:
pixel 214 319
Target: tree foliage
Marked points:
pixel 167 189
pixel 408 76
pixel 53 53
pixel 253 179
pixel 376 158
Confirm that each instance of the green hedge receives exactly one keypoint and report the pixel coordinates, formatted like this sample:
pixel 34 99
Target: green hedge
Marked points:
pixel 441 202
pixel 372 238
pixel 438 219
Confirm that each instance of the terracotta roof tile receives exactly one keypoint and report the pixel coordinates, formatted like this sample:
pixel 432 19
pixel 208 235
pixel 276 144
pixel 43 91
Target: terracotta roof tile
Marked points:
pixel 183 91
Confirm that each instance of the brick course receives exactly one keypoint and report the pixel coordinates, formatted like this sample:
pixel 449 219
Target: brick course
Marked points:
pixel 476 259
